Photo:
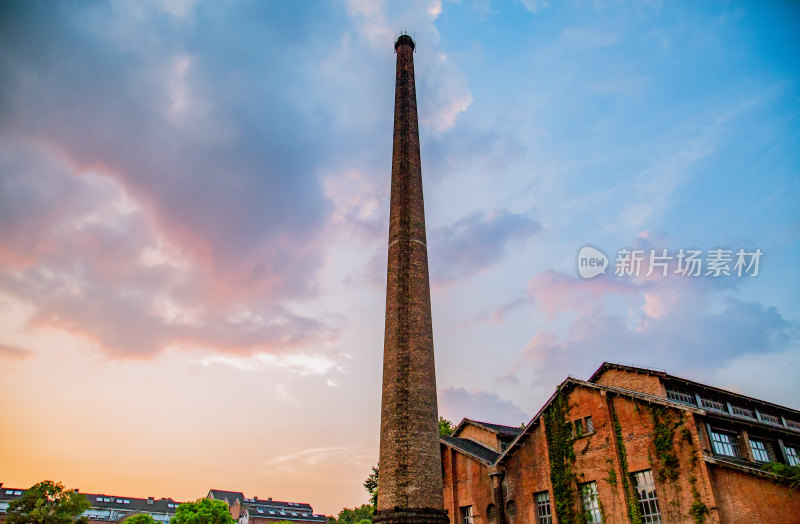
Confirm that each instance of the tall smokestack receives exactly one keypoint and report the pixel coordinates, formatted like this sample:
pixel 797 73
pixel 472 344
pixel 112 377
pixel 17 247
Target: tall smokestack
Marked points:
pixel 410 480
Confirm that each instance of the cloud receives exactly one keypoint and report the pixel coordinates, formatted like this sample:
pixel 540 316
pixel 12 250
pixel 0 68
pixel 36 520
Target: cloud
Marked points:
pixel 476 242
pixel 457 403
pixel 159 186
pixel 91 262
pixel 683 326
pixel 556 292
pixel 534 6
pixel 361 204
pixel 14 352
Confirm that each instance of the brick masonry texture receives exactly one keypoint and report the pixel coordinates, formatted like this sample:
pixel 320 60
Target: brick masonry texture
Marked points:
pixel 410 482
pixel 635 381
pixel 730 493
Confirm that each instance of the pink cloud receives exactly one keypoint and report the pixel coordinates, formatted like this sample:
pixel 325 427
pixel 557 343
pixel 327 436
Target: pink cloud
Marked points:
pixel 557 292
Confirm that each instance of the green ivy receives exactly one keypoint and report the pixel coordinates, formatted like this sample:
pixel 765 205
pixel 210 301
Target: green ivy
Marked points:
pixel 562 459
pixel 663 439
pixel 790 474
pixel 698 511
pixel 634 514
pixel 612 473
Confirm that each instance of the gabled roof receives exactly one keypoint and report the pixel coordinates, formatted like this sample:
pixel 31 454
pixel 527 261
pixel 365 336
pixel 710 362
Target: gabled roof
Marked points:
pixel 7 494
pixel 605 366
pixel 473 449
pixel 98 501
pixel 229 496
pixel 284 510
pixel 277 504
pixel 572 382
pixel 664 375
pixel 152 505
pixel 498 429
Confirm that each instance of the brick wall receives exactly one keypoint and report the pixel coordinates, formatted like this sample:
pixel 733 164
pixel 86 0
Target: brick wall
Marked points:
pixel 743 497
pixel 645 383
pixel 683 479
pixel 466 483
pixel 478 434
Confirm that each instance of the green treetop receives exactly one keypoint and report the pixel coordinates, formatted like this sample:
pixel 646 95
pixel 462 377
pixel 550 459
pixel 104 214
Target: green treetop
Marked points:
pixel 48 503
pixel 202 511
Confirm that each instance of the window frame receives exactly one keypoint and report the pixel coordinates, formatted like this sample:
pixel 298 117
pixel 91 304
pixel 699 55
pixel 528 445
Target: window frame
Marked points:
pixel 719 444
pixel 759 454
pixel 466 515
pixel 792 455
pixel 590 501
pixel 544 511
pixel 647 496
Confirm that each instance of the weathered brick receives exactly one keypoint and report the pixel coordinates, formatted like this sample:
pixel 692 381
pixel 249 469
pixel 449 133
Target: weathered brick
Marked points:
pixel 410 482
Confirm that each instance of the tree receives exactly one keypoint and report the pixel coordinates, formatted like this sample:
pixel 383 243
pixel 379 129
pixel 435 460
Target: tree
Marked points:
pixel 354 516
pixel 48 503
pixel 371 485
pixel 203 511
pixel 140 518
pixel 446 429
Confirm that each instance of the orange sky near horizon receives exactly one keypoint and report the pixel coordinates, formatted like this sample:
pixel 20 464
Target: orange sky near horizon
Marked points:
pixel 175 427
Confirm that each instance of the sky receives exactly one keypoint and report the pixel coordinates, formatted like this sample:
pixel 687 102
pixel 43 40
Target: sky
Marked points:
pixel 194 217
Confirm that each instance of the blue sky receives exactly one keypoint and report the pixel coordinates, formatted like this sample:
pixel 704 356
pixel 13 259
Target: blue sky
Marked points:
pixel 194 212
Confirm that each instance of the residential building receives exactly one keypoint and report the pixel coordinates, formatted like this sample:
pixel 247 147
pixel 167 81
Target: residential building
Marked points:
pixel 106 508
pixel 115 508
pixel 256 511
pixel 628 445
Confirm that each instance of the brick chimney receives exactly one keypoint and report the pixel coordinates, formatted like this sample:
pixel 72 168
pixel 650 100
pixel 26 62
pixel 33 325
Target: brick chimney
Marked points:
pixel 410 480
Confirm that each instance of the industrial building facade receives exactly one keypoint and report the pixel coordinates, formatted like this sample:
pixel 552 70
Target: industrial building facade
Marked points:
pixel 628 445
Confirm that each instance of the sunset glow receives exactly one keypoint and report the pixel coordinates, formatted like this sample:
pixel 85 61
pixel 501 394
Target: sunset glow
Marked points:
pixel 194 201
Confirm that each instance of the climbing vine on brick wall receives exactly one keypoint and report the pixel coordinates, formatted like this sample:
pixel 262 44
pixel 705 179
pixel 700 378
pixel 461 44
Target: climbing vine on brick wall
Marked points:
pixel 634 514
pixel 562 459
pixel 698 511
pixel 663 440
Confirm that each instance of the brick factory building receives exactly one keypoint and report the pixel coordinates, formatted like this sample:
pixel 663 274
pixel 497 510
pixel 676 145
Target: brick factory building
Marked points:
pixel 628 445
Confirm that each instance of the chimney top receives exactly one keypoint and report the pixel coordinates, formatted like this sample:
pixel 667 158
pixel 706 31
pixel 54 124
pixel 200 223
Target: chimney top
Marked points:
pixel 404 39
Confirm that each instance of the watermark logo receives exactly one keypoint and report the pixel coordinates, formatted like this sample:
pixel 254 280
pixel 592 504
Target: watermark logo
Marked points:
pixel 632 262
pixel 591 262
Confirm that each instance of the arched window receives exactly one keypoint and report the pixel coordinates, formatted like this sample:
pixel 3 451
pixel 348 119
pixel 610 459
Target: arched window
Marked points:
pixel 491 513
pixel 511 510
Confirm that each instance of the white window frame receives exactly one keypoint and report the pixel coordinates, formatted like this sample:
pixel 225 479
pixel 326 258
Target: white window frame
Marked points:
pixel 646 494
pixel 591 502
pixel 544 511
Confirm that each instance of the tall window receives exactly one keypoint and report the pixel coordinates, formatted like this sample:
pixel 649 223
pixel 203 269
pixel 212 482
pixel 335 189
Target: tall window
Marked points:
pixel 591 504
pixel 646 492
pixel 543 514
pixel 724 443
pixel 792 456
pixel 759 450
pixel 466 515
